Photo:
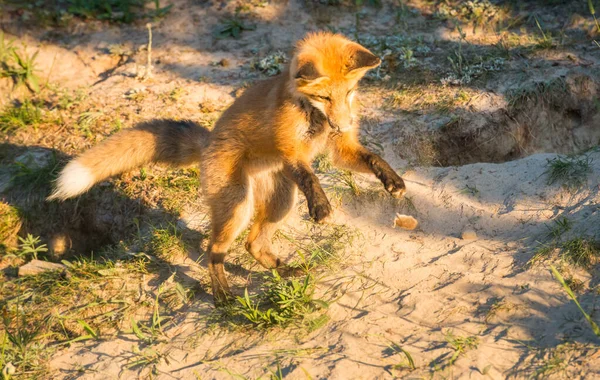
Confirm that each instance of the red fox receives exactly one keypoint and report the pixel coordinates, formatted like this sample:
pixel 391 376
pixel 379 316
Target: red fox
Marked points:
pixel 259 152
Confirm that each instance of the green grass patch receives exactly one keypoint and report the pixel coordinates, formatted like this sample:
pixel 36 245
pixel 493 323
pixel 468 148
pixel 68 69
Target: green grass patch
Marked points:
pixel 116 10
pixel 86 121
pixel 31 246
pixel 545 40
pixel 177 186
pixel 570 172
pixel 291 302
pixel 171 189
pixel 560 226
pixel 10 224
pixel 280 302
pixel 167 244
pixel 460 345
pixel 552 91
pixel 444 100
pixel 324 248
pixel 478 13
pixel 183 180
pixel 583 252
pixel 18 65
pixel 233 27
pixel 43 309
pixel 21 116
pixel 92 298
pixel 31 178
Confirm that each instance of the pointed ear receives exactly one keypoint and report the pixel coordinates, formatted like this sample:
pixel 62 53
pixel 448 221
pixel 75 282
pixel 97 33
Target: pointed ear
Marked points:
pixel 362 60
pixel 308 75
pixel 307 71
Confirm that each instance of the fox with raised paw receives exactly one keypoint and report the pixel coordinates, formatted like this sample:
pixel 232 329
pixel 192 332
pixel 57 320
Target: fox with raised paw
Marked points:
pixel 259 152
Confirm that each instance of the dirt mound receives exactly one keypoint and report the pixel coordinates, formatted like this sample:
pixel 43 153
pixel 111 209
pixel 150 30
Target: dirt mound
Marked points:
pixel 561 115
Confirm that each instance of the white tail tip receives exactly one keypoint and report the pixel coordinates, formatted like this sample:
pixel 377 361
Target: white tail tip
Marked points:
pixel 74 179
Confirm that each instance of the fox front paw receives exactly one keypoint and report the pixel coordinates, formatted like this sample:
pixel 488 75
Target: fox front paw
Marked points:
pixel 395 186
pixel 321 212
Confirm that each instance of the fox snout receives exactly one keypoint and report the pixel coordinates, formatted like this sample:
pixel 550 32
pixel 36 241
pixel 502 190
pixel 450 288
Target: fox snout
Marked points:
pixel 339 115
pixel 340 127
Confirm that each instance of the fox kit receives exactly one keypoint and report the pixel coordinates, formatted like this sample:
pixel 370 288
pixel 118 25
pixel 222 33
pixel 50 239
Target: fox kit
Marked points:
pixel 259 152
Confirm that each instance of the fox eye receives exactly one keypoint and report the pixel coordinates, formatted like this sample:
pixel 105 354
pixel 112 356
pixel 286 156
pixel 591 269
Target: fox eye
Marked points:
pixel 326 98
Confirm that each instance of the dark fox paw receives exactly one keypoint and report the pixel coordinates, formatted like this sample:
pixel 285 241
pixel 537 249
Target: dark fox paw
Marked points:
pixel 395 186
pixel 321 213
pixel 288 271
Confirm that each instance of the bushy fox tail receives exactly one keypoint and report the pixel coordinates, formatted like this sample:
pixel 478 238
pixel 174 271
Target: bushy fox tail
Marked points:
pixel 177 143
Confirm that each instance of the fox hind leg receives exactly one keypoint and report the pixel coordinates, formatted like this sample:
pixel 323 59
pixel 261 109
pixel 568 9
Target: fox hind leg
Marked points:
pixel 275 196
pixel 231 210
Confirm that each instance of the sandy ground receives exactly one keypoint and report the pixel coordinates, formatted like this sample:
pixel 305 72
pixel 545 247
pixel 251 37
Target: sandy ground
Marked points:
pixel 395 288
pixel 411 288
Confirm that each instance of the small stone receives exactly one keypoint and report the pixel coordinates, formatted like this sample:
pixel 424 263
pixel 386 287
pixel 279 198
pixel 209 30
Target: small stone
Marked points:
pixel 405 221
pixel 38 266
pixel 469 235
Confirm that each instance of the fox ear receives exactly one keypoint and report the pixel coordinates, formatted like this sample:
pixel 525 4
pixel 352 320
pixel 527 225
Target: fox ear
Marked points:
pixel 307 71
pixel 308 75
pixel 362 60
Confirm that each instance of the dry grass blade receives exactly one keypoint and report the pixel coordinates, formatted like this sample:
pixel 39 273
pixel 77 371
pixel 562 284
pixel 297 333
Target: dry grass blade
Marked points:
pixel 559 277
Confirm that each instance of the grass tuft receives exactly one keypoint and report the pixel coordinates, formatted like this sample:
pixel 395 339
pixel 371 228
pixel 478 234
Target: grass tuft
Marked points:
pixel 167 244
pixel 548 92
pixel 501 306
pixel 10 224
pixel 152 332
pixel 281 302
pixel 460 345
pixel 580 251
pixel 21 116
pixel 561 225
pixel 570 172
pixel 407 363
pixel 233 27
pixel 44 312
pixel 18 66
pixel 323 249
pixel 31 178
pixel 31 246
pixel 572 296
pixel 545 40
